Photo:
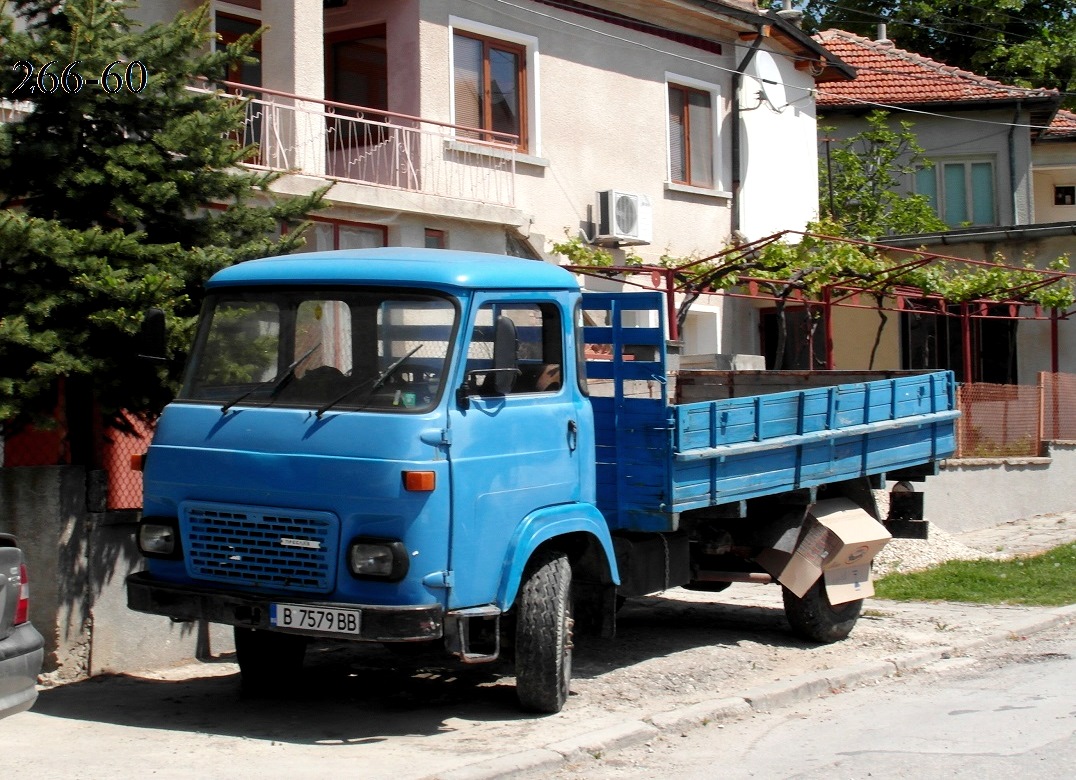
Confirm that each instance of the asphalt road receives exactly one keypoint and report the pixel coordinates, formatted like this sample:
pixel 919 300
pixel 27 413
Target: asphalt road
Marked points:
pixel 995 713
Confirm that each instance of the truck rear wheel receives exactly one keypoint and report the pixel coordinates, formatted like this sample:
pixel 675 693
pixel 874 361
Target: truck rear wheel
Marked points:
pixel 813 618
pixel 268 660
pixel 544 633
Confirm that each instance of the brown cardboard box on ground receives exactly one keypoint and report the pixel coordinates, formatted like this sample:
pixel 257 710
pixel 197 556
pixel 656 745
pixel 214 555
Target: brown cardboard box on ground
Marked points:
pixel 838 541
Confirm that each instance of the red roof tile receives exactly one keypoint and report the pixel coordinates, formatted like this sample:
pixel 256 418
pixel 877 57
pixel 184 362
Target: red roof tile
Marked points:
pixel 1062 128
pixel 886 74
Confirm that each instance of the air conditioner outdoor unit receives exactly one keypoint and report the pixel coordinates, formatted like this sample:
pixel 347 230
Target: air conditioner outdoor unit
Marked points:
pixel 624 218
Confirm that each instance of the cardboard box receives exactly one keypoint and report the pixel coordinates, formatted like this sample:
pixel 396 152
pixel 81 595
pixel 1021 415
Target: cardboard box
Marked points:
pixel 838 540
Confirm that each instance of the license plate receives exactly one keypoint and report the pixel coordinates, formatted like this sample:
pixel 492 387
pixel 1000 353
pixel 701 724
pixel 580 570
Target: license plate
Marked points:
pixel 310 618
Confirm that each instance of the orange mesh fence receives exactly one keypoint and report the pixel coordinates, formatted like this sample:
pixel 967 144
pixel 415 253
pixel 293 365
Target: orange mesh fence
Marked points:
pixel 1058 406
pixel 30 446
pixel 998 421
pixel 117 452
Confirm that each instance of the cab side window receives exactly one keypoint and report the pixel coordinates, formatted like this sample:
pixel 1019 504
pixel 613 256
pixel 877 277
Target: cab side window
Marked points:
pixel 516 348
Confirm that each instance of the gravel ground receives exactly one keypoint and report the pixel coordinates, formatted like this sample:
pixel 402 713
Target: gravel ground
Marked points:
pixel 903 555
pixel 1024 536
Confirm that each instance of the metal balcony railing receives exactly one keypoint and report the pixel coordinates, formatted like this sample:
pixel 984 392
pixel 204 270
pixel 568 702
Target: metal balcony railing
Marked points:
pixel 13 110
pixel 381 148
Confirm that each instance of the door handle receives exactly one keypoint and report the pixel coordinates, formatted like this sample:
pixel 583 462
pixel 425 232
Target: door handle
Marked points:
pixel 573 435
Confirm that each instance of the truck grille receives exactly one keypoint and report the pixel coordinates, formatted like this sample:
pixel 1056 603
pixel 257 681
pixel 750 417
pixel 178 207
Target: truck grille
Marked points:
pixel 258 547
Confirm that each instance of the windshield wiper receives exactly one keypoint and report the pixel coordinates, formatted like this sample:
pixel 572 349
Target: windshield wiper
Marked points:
pixel 275 384
pixel 388 372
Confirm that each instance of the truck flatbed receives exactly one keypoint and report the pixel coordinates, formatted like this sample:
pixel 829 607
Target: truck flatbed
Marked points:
pixel 658 459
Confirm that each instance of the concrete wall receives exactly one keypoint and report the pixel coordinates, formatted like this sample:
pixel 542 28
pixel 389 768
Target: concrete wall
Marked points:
pixel 78 561
pixel 46 510
pixel 978 493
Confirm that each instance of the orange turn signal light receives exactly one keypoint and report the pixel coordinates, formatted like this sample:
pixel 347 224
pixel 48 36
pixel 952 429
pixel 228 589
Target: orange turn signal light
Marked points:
pixel 420 481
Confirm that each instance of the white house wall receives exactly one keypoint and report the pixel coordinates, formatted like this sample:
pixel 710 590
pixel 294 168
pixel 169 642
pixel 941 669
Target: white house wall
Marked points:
pixel 779 147
pixel 598 121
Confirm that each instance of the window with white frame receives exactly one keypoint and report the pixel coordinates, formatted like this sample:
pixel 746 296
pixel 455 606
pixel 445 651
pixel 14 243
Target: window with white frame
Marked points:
pixel 493 84
pixel 692 132
pixel 962 192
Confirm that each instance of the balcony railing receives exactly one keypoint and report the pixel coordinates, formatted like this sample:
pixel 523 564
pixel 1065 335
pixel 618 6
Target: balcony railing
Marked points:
pixel 367 146
pixel 13 110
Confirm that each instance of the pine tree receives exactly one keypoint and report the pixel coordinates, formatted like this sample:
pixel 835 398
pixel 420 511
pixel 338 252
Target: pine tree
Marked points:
pixel 116 197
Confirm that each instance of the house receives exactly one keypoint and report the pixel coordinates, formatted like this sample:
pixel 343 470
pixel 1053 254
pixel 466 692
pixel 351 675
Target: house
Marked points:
pixel 1004 165
pixel 505 126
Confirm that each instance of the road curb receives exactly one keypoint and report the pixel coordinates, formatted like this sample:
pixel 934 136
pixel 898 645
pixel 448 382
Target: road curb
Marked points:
pixel 605 739
pixel 760 698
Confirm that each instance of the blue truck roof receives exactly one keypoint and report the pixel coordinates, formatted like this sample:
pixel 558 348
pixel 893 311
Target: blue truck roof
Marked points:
pixel 401 266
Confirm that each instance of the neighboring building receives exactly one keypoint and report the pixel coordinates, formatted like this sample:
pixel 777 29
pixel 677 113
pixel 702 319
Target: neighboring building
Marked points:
pixel 1053 166
pixel 494 125
pixel 977 132
pixel 1004 165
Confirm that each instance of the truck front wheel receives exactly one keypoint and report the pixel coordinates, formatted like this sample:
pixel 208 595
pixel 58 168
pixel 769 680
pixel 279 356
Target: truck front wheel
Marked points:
pixel 813 618
pixel 544 633
pixel 268 660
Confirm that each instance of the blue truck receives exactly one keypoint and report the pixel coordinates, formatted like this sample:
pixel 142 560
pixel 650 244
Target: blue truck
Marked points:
pixel 467 453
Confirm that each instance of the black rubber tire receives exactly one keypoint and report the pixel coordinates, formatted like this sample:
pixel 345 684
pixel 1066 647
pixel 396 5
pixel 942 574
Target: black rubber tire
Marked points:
pixel 813 618
pixel 268 660
pixel 543 647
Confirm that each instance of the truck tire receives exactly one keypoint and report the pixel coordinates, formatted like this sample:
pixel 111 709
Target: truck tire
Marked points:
pixel 544 633
pixel 268 660
pixel 813 618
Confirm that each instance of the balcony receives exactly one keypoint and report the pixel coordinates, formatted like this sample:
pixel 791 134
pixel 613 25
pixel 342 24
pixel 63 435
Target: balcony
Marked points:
pixel 359 145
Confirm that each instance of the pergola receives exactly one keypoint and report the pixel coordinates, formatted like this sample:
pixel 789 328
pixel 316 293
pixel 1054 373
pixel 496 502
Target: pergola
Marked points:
pixel 689 282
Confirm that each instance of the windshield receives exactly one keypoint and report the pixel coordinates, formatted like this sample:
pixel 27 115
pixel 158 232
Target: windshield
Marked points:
pixel 320 349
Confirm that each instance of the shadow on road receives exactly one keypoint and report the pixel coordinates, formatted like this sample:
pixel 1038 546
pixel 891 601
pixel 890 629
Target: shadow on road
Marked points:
pixel 353 694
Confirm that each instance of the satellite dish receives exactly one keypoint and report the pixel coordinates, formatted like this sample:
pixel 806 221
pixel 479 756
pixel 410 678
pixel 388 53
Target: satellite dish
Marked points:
pixel 765 70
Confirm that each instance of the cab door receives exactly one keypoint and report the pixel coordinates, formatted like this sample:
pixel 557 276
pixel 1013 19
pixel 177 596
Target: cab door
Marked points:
pixel 515 435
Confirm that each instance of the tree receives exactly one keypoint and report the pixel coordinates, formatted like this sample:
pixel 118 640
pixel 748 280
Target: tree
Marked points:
pixel 862 178
pixel 117 196
pixel 1025 43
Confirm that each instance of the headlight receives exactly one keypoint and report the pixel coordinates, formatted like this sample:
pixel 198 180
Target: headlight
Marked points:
pixel 158 537
pixel 383 559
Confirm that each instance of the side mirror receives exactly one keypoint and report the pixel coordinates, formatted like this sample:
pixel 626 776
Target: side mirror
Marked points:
pixel 153 337
pixel 505 355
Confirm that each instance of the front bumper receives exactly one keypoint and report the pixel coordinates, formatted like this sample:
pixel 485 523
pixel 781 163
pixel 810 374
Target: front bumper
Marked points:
pixel 21 655
pixel 187 602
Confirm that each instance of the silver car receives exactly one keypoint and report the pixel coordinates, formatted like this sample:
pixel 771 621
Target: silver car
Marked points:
pixel 21 646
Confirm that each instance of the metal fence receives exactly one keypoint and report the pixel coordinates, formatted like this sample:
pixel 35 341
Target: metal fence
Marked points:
pixel 1013 420
pixel 115 453
pixel 1058 406
pixel 999 421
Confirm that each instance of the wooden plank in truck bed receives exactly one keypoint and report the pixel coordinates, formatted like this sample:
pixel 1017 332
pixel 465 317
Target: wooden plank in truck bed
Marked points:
pixel 712 385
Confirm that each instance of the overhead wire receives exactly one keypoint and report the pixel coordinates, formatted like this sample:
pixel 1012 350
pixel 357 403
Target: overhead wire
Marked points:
pixel 792 57
pixel 919 25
